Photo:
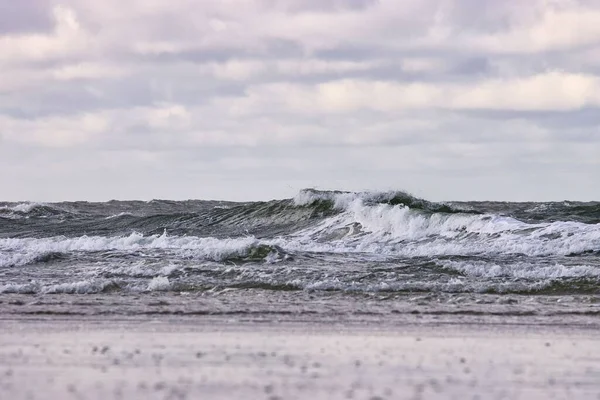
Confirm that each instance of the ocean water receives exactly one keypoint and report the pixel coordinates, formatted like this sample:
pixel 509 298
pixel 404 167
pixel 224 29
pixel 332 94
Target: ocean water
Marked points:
pixel 320 250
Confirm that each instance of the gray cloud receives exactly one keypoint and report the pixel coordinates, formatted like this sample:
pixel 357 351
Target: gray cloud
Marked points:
pixel 255 99
pixel 19 17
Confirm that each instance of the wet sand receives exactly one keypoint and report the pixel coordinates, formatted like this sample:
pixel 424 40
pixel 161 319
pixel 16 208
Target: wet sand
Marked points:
pixel 297 357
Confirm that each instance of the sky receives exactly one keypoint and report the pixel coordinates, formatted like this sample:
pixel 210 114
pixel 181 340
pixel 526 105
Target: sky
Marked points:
pixel 257 99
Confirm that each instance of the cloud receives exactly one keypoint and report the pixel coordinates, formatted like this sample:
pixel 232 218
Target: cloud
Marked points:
pixel 459 98
pixel 29 17
pixel 88 71
pixel 547 91
pixel 66 38
pixel 561 27
pixel 53 131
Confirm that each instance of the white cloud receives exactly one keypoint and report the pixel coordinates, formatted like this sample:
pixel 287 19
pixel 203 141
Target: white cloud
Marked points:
pixel 551 91
pixel 172 117
pixel 415 64
pixel 89 70
pixel 54 132
pixel 548 91
pixel 68 37
pixel 554 28
pixel 453 95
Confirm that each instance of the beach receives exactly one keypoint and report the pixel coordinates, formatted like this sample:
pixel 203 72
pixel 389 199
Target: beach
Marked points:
pixel 298 356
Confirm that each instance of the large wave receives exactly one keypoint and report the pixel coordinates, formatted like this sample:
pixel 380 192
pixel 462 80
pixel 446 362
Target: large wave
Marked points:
pixel 391 223
pixel 319 240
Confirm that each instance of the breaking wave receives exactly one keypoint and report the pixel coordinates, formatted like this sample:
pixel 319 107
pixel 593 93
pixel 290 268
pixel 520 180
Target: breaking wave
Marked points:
pixel 318 240
pixel 20 252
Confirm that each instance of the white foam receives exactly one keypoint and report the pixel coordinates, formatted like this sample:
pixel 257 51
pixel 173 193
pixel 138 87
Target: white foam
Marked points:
pixel 18 211
pixel 453 285
pixel 23 207
pixel 16 252
pixel 123 214
pixel 341 200
pixel 521 270
pixel 11 259
pixel 159 283
pixel 399 230
pixel 344 200
pixel 26 288
pixel 136 270
pixel 80 287
pixel 168 270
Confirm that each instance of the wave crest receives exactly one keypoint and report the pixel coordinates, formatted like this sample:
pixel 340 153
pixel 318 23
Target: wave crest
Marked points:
pixel 343 200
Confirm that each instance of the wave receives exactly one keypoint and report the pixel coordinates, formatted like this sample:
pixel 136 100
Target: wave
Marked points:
pixel 371 231
pixel 79 287
pixel 520 270
pixel 159 283
pixel 282 280
pixel 20 210
pixel 342 200
pixel 588 212
pixel 21 207
pixel 328 222
pixel 260 219
pixel 319 240
pixel 397 229
pixel 20 252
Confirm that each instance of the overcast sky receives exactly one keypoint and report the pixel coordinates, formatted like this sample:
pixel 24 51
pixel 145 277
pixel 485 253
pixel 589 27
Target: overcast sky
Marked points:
pixel 256 99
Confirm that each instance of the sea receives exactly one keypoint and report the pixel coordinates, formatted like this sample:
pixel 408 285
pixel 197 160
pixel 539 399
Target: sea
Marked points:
pixel 321 253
